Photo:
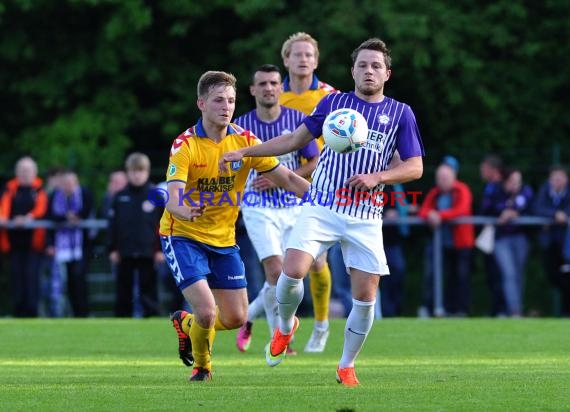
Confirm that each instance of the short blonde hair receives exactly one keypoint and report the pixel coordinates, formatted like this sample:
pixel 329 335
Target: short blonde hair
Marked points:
pixel 137 161
pixel 212 79
pixel 299 36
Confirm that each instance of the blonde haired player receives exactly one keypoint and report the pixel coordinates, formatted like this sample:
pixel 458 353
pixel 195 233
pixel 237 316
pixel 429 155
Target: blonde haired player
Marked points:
pixel 303 91
pixel 197 229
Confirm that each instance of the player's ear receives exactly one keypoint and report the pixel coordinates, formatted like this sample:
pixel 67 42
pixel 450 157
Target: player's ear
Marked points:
pixel 251 91
pixel 201 103
pixel 388 74
pixel 352 71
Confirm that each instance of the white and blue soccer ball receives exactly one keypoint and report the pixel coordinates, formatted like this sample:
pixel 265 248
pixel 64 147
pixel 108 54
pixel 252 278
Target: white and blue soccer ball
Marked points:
pixel 345 130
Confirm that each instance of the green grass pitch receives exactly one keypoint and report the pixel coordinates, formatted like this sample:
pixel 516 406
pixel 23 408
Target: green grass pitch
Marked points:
pixel 406 365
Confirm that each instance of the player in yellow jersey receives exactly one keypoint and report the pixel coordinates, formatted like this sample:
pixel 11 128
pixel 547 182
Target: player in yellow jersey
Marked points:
pixel 302 91
pixel 197 229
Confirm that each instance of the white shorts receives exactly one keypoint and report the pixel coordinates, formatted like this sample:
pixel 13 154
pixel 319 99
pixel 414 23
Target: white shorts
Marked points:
pixel 269 228
pixel 361 241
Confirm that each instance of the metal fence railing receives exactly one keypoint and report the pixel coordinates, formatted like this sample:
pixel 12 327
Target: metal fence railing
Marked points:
pixel 101 224
pixel 438 246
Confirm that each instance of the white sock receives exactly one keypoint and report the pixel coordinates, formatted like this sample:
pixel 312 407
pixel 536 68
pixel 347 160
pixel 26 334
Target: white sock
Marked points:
pixel 358 325
pixel 270 305
pixel 255 308
pixel 322 324
pixel 289 294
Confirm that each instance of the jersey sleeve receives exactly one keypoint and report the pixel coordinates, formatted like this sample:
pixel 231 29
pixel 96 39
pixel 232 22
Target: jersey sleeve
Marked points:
pixel 310 150
pixel 315 120
pixel 409 140
pixel 179 161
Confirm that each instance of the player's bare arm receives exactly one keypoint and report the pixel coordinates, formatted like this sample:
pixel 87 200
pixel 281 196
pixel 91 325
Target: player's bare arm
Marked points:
pixel 178 208
pixel 279 145
pixel 405 171
pixel 289 180
pixel 308 168
pixel 396 160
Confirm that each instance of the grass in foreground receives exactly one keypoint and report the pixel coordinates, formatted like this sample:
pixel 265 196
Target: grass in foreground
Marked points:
pixel 407 364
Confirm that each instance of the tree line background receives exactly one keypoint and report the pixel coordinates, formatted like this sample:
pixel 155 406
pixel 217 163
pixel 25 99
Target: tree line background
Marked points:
pixel 84 82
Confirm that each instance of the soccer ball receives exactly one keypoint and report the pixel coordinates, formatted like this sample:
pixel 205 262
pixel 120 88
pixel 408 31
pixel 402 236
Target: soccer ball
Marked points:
pixel 345 130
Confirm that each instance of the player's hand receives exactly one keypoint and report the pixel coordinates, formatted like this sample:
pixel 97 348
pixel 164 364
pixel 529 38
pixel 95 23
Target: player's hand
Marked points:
pixel 234 156
pixel 263 183
pixel 195 212
pixel 362 181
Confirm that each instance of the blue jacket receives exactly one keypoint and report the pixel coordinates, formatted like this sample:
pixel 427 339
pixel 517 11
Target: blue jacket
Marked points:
pixel 546 204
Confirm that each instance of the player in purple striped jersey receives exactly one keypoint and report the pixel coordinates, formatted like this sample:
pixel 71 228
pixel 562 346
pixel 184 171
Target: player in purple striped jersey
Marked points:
pixel 346 200
pixel 270 222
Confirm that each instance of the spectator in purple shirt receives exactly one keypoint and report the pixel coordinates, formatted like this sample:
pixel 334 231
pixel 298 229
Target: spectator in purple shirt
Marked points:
pixel 553 201
pixel 511 243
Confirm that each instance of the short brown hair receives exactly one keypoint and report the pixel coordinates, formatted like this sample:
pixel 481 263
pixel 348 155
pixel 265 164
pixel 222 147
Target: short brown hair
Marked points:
pixel 137 161
pixel 265 68
pixel 212 79
pixel 299 36
pixel 376 45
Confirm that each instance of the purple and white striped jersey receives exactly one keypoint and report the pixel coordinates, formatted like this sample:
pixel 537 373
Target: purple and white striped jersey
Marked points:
pixel 287 122
pixel 391 126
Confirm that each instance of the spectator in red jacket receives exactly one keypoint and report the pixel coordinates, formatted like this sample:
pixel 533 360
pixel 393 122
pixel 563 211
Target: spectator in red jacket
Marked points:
pixel 449 199
pixel 23 201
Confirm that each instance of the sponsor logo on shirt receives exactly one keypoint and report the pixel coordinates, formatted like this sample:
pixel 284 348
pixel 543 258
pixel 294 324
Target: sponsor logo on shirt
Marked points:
pixel 236 165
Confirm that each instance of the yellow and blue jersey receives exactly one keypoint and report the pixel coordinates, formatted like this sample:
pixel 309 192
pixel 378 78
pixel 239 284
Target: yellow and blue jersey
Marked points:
pixel 194 160
pixel 307 101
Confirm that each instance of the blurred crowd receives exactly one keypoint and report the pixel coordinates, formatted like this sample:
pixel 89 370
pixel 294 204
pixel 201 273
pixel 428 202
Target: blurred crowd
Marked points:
pixel 59 257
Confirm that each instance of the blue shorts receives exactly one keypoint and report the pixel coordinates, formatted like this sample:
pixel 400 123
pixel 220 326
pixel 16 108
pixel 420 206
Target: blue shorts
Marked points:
pixel 190 261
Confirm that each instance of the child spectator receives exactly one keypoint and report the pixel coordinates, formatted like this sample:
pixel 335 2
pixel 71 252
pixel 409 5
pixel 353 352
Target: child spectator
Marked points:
pixel 133 239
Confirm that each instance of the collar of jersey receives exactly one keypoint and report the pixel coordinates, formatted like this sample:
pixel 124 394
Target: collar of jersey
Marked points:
pixel 314 84
pixel 200 132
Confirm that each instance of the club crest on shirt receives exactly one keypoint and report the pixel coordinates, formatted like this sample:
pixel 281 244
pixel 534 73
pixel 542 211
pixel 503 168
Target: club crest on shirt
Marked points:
pixel 383 119
pixel 236 165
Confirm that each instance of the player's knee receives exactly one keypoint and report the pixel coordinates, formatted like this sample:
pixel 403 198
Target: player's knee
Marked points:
pixel 273 266
pixel 272 276
pixel 295 270
pixel 206 317
pixel 319 263
pixel 234 320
